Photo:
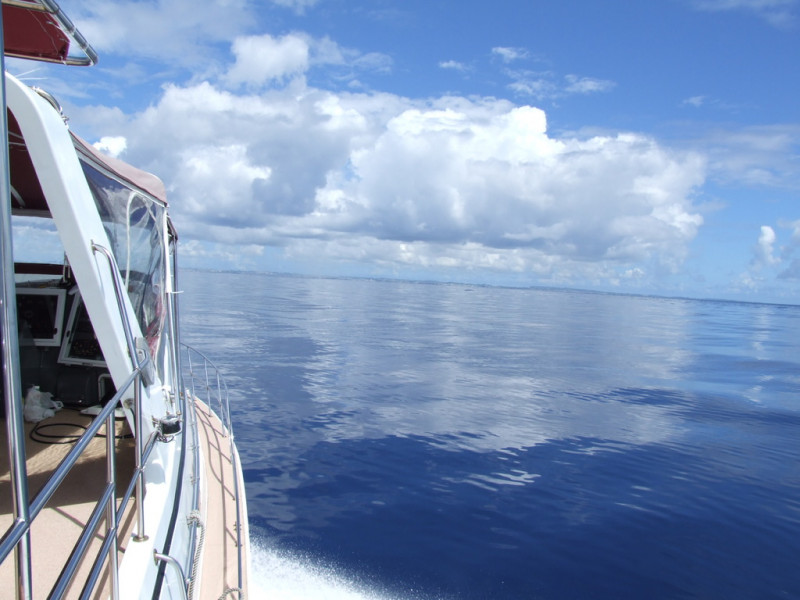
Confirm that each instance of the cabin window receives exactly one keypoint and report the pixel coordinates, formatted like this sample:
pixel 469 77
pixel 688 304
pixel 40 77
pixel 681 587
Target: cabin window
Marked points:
pixel 36 240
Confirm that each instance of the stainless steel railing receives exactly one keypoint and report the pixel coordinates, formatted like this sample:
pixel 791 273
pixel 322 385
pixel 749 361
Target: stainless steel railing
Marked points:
pixel 141 363
pixel 104 506
pixel 200 379
pixel 18 534
pixel 203 380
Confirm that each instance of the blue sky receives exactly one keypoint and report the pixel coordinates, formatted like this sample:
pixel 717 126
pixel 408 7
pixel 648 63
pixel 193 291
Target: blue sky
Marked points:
pixel 644 147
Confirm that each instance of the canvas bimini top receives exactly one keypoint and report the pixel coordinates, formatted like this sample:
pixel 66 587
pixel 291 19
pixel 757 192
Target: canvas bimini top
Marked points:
pixel 27 196
pixel 39 30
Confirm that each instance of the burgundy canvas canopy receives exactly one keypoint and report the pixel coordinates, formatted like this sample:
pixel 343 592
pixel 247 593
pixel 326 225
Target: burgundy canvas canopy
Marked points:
pixel 137 178
pixel 39 30
pixel 27 195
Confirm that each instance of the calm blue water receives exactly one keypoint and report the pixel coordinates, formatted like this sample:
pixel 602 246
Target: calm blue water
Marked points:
pixel 411 440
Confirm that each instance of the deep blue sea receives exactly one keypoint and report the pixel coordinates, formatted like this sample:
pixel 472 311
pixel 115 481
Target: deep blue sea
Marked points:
pixel 416 440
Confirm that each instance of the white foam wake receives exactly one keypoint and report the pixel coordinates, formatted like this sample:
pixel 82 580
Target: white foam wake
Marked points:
pixel 277 575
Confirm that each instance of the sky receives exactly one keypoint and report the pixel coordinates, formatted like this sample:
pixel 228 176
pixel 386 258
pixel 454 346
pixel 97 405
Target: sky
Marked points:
pixel 634 147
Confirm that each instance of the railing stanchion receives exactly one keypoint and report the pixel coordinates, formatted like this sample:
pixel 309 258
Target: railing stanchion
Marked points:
pixel 9 356
pixel 221 394
pixel 141 535
pixel 137 386
pixel 111 507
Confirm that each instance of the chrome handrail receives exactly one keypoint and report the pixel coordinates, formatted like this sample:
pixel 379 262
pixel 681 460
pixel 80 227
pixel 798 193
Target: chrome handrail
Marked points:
pixel 220 388
pixel 106 502
pixel 18 536
pixel 139 362
pixel 119 294
pixel 166 558
pixel 58 476
pixel 214 383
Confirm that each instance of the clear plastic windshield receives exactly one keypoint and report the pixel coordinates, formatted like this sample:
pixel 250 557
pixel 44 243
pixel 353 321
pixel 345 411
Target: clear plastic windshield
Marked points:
pixel 137 229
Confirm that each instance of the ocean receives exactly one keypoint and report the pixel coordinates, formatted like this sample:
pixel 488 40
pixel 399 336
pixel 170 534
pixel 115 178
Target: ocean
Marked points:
pixel 406 440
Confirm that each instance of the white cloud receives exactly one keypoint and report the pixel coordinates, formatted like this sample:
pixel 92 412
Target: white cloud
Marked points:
pixel 587 85
pixel 795 227
pixel 183 30
pixel 373 61
pixel 262 59
pixel 452 65
pixel 761 156
pixel 220 181
pixel 779 13
pixel 508 54
pixel 696 101
pixel 298 6
pixel 325 51
pixel 537 86
pixel 36 240
pixel 444 183
pixel 450 183
pixel 190 36
pixel 763 250
pixel 112 145
pixel 770 257
pixel 544 85
pixel 789 252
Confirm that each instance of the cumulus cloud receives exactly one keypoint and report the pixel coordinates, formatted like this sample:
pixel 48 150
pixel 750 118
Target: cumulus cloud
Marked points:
pixel 191 37
pixel 263 58
pixel 768 255
pixel 763 250
pixel 254 155
pixel 183 30
pixel 447 183
pixel 489 174
pixel 112 145
pixel 224 199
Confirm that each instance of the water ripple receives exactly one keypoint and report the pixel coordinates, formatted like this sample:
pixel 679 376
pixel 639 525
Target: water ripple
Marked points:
pixel 469 442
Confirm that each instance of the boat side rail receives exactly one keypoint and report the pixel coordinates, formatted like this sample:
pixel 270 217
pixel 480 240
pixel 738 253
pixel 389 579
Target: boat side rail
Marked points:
pixel 205 376
pixel 202 379
pixel 142 365
pixel 19 532
pixel 105 506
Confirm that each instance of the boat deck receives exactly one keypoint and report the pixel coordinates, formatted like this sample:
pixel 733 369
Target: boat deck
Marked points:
pixel 58 526
pixel 220 556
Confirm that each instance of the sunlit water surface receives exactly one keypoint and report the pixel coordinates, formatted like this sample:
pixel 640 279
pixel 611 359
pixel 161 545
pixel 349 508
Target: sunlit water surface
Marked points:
pixel 409 440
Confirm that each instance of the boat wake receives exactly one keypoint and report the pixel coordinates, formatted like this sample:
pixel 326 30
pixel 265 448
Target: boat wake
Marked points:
pixel 279 574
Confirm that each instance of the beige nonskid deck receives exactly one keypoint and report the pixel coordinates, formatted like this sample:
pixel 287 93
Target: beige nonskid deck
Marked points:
pixel 220 562
pixel 58 526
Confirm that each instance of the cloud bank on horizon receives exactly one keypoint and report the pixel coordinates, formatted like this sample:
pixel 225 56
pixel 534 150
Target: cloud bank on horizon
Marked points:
pixel 280 151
